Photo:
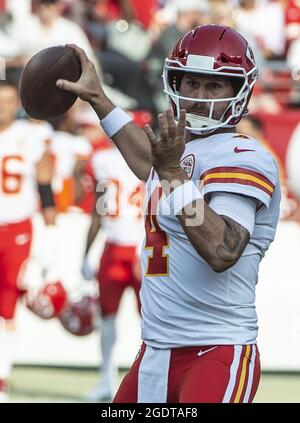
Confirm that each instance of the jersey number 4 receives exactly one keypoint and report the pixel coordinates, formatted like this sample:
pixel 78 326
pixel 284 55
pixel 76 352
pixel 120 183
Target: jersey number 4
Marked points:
pixel 156 239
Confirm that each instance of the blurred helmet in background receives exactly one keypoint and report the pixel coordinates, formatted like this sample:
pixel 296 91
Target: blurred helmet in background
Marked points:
pixel 80 314
pixel 48 301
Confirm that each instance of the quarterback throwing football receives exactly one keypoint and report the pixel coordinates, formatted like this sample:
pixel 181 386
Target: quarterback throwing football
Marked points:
pixel 203 246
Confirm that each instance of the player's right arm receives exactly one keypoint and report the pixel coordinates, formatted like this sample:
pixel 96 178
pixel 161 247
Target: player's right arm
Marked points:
pixel 79 174
pixel 44 176
pixel 130 140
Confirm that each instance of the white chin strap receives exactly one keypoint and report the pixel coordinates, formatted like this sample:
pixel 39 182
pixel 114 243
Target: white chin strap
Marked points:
pixel 200 122
pixel 201 125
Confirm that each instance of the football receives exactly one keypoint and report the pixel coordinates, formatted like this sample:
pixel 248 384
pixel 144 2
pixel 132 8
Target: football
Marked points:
pixel 39 95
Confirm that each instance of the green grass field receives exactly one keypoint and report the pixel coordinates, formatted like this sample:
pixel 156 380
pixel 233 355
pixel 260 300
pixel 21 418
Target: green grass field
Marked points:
pixel 65 385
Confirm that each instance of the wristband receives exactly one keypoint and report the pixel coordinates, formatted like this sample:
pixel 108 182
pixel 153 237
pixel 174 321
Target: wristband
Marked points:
pixel 46 195
pixel 115 121
pixel 183 195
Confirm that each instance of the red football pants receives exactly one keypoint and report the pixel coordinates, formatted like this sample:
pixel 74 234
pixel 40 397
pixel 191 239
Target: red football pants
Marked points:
pixel 15 242
pixel 210 374
pixel 115 275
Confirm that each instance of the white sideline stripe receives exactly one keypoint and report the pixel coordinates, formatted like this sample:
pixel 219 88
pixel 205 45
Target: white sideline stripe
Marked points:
pixel 250 377
pixel 153 375
pixel 233 372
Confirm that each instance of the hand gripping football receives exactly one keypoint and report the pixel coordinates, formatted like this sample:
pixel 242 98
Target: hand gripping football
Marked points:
pixel 39 95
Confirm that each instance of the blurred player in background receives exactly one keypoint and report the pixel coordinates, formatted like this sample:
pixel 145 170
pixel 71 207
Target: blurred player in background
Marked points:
pixel 87 126
pixel 118 210
pixel 68 148
pixel 26 167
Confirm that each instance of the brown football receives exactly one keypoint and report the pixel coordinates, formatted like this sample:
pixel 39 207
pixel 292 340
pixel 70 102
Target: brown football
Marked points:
pixel 39 95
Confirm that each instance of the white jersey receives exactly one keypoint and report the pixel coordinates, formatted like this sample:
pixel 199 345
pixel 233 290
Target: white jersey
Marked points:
pixel 66 149
pixel 122 215
pixel 21 146
pixel 184 302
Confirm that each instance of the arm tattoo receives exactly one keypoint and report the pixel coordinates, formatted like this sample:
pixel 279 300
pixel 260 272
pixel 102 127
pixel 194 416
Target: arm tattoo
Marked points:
pixel 236 237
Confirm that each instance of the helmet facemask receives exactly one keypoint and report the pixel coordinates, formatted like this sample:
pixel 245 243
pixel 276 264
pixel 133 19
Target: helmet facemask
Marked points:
pixel 237 105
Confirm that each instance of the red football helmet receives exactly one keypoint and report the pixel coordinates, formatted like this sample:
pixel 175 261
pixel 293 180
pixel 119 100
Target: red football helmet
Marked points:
pixel 48 301
pixel 212 50
pixel 79 316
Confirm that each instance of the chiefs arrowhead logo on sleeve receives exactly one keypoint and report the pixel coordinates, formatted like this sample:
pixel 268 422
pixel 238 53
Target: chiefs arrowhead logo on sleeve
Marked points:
pixel 188 164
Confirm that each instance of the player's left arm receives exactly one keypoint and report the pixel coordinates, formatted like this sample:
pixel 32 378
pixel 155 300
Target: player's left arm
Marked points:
pixel 95 224
pixel 79 175
pixel 220 240
pixel 44 176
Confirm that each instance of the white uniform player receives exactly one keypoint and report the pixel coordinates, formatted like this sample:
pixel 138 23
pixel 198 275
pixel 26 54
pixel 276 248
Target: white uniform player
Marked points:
pixel 66 149
pixel 122 217
pixel 22 144
pixel 120 209
pixel 199 321
pixel 226 314
pixel 21 147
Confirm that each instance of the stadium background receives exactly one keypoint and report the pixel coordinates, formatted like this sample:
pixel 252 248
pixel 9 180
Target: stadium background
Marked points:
pixel 112 33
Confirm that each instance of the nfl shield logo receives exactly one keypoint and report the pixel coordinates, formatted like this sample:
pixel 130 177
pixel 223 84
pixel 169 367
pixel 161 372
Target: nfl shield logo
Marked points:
pixel 187 164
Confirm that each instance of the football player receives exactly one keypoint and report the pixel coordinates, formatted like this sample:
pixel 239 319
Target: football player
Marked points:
pixel 25 168
pixel 118 210
pixel 203 247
